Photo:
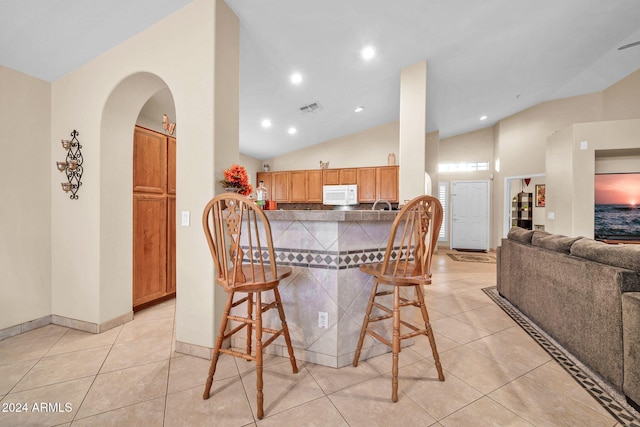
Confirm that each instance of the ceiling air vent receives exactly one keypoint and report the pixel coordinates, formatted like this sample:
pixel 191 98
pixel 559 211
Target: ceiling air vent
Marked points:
pixel 314 107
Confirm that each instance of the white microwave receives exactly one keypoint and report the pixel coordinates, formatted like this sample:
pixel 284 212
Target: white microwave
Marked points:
pixel 340 195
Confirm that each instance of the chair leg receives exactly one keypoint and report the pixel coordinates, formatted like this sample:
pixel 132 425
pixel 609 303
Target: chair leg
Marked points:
pixel 249 326
pixel 427 324
pixel 285 330
pixel 216 348
pixel 259 384
pixel 396 343
pixel 365 323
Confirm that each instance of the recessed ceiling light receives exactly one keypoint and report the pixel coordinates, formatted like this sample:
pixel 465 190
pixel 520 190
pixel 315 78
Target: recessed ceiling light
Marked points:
pixel 296 78
pixel 483 117
pixel 266 123
pixel 358 109
pixel 368 52
pixel 292 131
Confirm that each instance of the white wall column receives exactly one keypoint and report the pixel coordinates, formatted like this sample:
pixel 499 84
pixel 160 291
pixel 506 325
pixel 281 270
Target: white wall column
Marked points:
pixel 413 117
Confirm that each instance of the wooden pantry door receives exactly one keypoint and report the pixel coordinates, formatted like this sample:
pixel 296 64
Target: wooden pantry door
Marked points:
pixel 153 217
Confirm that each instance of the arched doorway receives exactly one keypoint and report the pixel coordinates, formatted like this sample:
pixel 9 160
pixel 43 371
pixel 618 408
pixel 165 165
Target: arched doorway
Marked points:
pixel 154 202
pixel 119 118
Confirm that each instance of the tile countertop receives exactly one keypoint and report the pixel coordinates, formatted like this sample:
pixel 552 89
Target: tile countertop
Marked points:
pixel 331 215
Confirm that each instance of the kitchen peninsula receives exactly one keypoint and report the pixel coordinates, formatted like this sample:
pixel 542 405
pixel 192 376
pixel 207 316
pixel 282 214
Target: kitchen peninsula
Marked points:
pixel 325 248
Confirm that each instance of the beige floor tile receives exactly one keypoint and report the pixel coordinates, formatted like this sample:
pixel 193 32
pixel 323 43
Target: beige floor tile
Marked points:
pixel 480 372
pixel 245 366
pixel 489 317
pixel 422 347
pixel 147 414
pixel 552 376
pixel 282 388
pixel 75 340
pixel 521 356
pixel 227 406
pixel 114 390
pixel 164 309
pixel 145 328
pixel 317 413
pixel 484 412
pixel 546 407
pixel 63 367
pixel 61 401
pixel 458 331
pixel 188 371
pixel 419 381
pixel 384 363
pixel 458 302
pixel 369 404
pixel 332 380
pixel 12 373
pixel 138 352
pixel 30 345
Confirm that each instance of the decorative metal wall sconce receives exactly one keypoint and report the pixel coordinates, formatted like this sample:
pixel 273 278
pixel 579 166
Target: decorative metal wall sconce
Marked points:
pixel 72 166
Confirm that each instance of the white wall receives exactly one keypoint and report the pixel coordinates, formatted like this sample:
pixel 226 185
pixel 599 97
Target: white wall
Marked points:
pixel 367 148
pixel 102 100
pixel 572 189
pixel 25 228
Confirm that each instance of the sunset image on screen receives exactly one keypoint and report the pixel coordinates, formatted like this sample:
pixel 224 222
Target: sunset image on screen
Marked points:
pixel 617 189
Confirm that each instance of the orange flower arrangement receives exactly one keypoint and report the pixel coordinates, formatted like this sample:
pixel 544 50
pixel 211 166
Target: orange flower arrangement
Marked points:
pixel 236 178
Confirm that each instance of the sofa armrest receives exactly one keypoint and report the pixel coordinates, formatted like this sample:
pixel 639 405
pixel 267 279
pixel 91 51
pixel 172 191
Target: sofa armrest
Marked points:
pixel 631 343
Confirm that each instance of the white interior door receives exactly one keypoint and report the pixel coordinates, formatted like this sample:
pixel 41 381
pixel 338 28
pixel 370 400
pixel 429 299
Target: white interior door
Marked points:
pixel 470 215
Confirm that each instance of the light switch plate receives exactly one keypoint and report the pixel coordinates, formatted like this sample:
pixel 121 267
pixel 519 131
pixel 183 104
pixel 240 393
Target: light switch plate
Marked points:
pixel 185 218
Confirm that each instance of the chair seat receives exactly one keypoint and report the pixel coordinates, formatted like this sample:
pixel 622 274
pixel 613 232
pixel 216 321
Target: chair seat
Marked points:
pixel 395 278
pixel 260 284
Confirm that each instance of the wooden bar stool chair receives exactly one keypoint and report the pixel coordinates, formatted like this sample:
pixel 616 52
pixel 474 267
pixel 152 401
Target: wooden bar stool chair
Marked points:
pixel 407 263
pixel 239 237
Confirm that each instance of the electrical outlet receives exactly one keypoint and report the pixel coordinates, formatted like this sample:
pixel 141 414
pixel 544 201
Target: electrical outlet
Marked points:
pixel 323 319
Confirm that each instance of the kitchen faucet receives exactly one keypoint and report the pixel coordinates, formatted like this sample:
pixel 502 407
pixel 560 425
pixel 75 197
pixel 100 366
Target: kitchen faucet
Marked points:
pixel 373 208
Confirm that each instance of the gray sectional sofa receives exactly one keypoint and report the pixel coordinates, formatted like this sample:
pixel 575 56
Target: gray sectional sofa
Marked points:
pixel 583 293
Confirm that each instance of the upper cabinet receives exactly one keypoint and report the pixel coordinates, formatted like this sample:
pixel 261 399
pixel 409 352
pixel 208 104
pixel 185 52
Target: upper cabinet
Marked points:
pixel 298 181
pixel 387 183
pixel 314 185
pixel 305 186
pixel 366 185
pixel 378 183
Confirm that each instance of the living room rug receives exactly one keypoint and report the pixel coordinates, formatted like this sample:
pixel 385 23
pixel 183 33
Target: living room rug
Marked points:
pixel 610 399
pixel 473 257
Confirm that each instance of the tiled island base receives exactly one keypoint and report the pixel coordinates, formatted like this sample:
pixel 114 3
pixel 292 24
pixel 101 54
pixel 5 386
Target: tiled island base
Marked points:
pixel 325 249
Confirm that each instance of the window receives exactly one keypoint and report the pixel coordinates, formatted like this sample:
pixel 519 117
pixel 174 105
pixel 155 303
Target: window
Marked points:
pixel 443 195
pixel 463 167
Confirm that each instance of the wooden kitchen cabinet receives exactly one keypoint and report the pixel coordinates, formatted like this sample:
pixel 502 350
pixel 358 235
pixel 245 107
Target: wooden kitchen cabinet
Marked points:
pixel 314 186
pixel 378 183
pixel 276 183
pixel 387 183
pixel 266 179
pixel 305 186
pixel 280 184
pixel 298 182
pixel 340 176
pixel 330 176
pixel 154 215
pixel 366 185
pixel 349 176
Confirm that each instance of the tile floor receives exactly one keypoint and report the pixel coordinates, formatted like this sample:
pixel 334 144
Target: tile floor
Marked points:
pixel 496 375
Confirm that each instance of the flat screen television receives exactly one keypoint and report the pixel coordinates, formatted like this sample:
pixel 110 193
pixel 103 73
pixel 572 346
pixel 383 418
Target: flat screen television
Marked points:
pixel 617 206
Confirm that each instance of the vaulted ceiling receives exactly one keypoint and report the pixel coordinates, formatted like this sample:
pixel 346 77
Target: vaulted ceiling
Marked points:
pixel 491 58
